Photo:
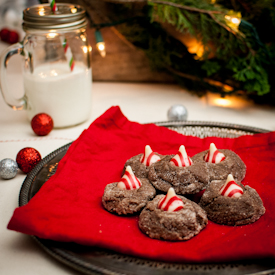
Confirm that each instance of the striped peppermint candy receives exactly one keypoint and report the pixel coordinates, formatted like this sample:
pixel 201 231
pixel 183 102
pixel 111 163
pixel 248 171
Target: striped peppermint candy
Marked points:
pixel 129 181
pixel 53 5
pixel 68 53
pixel 231 188
pixel 170 203
pixel 213 155
pixel 149 156
pixel 181 159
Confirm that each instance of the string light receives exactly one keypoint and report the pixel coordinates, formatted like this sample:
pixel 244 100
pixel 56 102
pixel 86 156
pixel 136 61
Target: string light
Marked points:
pixel 100 44
pixel 230 101
pixel 85 49
pixel 233 20
pixel 223 102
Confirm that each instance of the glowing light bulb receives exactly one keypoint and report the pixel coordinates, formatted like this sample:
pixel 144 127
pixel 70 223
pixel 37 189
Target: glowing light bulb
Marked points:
pixel 233 19
pixel 83 38
pixel 223 102
pixel 101 48
pixel 236 20
pixel 85 49
pixel 100 45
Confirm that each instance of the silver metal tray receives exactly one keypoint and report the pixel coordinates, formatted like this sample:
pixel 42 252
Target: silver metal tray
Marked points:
pixel 93 260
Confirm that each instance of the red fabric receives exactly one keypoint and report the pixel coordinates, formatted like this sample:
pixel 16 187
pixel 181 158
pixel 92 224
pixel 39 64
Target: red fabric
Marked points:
pixel 68 206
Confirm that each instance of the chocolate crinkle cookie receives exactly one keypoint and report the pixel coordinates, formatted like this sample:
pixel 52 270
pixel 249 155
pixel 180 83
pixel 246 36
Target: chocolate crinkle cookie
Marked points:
pixel 232 164
pixel 172 226
pixel 140 163
pixel 244 209
pixel 185 180
pixel 124 202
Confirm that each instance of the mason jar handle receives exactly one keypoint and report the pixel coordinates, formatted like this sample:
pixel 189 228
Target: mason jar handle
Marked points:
pixel 14 103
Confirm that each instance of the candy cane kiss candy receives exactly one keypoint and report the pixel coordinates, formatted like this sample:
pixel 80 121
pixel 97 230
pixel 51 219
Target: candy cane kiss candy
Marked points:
pixel 181 159
pixel 170 202
pixel 213 155
pixel 149 156
pixel 129 181
pixel 231 188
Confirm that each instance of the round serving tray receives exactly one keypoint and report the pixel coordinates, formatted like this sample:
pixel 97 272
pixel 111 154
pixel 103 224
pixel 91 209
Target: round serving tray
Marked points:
pixel 93 260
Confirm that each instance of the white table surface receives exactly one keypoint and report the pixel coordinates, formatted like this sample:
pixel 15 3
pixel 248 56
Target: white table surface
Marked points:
pixel 143 103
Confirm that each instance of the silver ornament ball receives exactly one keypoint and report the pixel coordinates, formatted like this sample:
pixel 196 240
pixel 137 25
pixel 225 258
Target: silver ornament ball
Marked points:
pixel 177 112
pixel 8 169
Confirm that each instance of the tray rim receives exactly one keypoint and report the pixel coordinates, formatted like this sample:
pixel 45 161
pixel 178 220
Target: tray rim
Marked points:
pixel 78 263
pixel 173 123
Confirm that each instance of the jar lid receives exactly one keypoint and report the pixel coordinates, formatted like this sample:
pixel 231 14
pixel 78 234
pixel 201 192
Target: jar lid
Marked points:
pixel 67 16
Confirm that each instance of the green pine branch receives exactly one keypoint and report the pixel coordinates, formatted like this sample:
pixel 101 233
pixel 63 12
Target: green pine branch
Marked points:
pixel 240 55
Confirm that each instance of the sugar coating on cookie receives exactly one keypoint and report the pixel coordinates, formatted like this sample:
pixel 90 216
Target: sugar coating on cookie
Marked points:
pixel 124 202
pixel 185 180
pixel 229 210
pixel 172 226
pixel 231 164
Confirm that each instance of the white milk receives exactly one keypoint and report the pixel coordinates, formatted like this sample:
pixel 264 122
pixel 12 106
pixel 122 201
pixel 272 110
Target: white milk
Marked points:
pixel 64 95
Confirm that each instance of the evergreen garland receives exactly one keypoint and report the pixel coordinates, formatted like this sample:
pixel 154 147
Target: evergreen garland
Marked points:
pixel 243 56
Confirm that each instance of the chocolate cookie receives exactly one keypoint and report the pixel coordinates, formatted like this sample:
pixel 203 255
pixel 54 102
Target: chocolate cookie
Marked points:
pixel 185 180
pixel 173 226
pixel 241 210
pixel 232 164
pixel 124 202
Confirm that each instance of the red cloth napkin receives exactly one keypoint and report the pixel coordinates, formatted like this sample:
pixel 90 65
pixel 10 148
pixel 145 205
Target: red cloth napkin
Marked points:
pixel 68 206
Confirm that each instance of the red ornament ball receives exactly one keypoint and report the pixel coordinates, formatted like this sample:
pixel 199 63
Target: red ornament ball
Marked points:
pixel 4 34
pixel 27 158
pixel 9 36
pixel 42 124
pixel 13 37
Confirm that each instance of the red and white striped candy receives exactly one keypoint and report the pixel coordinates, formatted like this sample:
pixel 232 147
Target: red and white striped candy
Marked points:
pixel 181 159
pixel 213 155
pixel 231 188
pixel 170 202
pixel 129 181
pixel 149 156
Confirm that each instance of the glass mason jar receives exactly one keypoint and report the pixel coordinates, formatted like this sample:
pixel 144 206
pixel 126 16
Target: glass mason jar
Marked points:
pixel 56 65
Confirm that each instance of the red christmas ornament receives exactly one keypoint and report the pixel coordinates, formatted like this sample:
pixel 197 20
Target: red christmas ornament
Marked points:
pixel 4 34
pixel 13 37
pixel 27 158
pixel 42 124
pixel 9 36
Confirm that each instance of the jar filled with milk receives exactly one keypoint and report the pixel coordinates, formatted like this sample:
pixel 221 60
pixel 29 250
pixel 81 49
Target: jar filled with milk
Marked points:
pixel 56 64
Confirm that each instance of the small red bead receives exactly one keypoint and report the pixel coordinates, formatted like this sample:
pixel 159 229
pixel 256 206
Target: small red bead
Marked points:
pixel 42 124
pixel 27 158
